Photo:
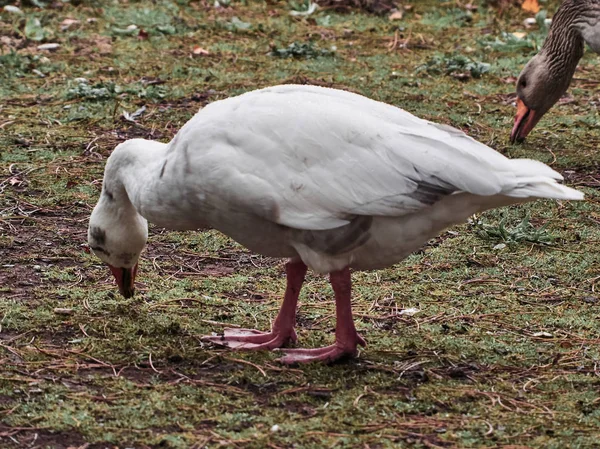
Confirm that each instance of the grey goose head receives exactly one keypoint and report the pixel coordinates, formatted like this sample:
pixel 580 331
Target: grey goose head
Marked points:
pixel 547 76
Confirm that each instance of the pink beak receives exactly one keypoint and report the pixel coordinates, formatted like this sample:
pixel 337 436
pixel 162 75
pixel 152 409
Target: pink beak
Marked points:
pixel 525 120
pixel 125 278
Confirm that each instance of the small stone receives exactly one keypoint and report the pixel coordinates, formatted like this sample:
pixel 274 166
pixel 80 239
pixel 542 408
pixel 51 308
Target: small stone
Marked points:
pixel 13 9
pixel 49 46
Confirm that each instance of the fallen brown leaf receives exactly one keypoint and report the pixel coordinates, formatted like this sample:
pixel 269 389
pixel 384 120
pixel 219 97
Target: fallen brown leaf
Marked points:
pixel 104 45
pixel 199 51
pixel 396 15
pixel 96 45
pixel 68 23
pixel 531 6
pixel 63 311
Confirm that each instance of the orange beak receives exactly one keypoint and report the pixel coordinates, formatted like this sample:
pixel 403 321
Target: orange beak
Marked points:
pixel 125 278
pixel 525 120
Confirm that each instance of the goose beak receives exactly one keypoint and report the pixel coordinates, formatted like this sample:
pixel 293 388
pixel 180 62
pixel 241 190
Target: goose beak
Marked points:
pixel 125 278
pixel 525 120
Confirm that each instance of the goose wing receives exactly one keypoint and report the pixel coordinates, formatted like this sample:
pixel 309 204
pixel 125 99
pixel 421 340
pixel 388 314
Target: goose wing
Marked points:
pixel 314 158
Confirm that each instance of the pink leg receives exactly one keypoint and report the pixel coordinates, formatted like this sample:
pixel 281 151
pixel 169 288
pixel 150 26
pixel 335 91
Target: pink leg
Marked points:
pixel 346 337
pixel 283 327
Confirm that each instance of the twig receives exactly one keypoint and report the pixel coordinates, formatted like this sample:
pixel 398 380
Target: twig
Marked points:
pixel 245 362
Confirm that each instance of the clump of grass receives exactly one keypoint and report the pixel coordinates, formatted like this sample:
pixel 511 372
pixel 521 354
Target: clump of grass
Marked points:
pixel 297 50
pixel 302 6
pixel 452 18
pixel 14 64
pixel 522 232
pixel 236 24
pixel 511 42
pixel 35 31
pixel 97 92
pixel 457 65
pixel 508 42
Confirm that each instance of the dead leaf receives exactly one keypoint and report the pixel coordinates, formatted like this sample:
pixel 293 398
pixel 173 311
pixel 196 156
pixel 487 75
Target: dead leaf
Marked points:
pixel 104 44
pixel 396 15
pixel 531 6
pixel 216 270
pixel 143 35
pixel 542 334
pixel 410 311
pixel 10 42
pixel 151 81
pixel 63 311
pixel 133 116
pixel 519 34
pixel 461 76
pixel 68 23
pixel 567 99
pixel 199 51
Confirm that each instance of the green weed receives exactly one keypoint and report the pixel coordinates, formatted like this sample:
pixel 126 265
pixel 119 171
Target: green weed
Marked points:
pixel 306 50
pixel 455 65
pixel 524 231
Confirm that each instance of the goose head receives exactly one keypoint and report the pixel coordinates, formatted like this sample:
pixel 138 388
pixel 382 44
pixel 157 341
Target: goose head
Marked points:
pixel 547 76
pixel 538 89
pixel 117 234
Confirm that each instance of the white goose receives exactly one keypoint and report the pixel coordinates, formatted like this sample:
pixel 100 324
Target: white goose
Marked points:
pixel 327 178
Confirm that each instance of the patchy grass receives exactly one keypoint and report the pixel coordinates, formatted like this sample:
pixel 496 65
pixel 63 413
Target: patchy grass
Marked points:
pixel 502 351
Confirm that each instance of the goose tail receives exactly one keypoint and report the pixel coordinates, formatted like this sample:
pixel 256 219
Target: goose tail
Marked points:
pixel 535 179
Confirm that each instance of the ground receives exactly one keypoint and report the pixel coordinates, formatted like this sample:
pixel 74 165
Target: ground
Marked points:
pixel 500 348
